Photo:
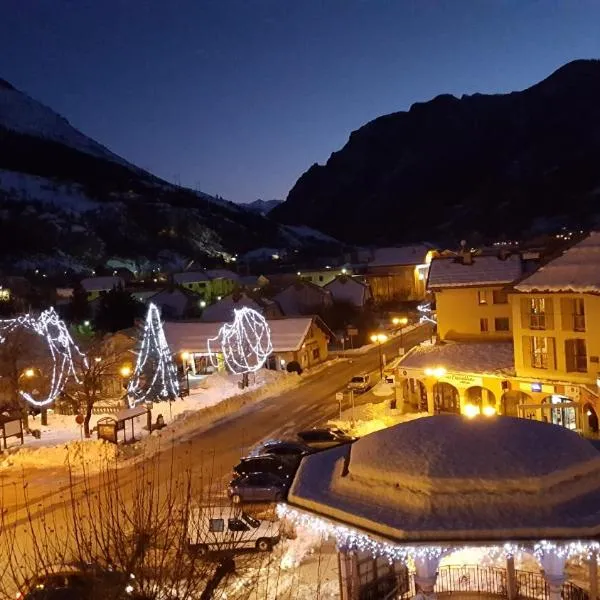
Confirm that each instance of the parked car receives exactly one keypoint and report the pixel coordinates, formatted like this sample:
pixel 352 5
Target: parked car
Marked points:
pixel 320 439
pixel 289 452
pixel 261 464
pixel 360 383
pixel 258 487
pixel 79 582
pixel 217 529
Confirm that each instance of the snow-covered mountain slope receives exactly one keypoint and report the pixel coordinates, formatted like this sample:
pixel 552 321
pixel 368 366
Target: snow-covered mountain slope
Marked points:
pixel 22 114
pixel 262 207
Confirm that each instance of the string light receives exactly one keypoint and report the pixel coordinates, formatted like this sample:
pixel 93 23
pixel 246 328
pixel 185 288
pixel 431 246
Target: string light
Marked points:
pixel 61 346
pixel 154 354
pixel 245 343
pixel 352 539
pixel 426 313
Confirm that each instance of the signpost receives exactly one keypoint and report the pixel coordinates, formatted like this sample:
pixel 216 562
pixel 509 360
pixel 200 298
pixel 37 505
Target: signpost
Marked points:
pixel 340 398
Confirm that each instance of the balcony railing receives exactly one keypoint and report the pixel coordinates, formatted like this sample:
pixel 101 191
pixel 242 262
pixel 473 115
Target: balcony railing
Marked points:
pixel 537 321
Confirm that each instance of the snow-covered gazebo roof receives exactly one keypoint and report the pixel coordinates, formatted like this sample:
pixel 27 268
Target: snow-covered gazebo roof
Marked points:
pixel 451 480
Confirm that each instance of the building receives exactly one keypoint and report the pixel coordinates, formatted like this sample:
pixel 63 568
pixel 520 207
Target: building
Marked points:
pixel 349 289
pixel 94 286
pixel 322 277
pixel 303 297
pixel 222 309
pixel 471 295
pixel 302 339
pixel 177 303
pixel 398 274
pixel 211 285
pixel 444 506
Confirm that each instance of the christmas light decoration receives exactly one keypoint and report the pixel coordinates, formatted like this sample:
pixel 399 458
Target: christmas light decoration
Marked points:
pixel 352 539
pixel 155 373
pixel 61 347
pixel 426 313
pixel 245 343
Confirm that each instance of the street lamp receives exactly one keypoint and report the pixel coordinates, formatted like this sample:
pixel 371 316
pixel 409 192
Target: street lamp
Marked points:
pixel 125 371
pixel 400 322
pixel 185 357
pixel 379 338
pixel 29 373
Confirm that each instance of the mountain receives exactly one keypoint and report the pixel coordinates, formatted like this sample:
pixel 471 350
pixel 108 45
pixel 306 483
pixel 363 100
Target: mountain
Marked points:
pixel 67 202
pixel 262 207
pixel 479 166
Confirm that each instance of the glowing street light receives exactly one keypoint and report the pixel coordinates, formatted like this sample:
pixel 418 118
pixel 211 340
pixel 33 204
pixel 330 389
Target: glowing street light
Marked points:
pixel 379 338
pixel 29 373
pixel 471 411
pixel 125 371
pixel 489 411
pixel 400 322
pixel 185 356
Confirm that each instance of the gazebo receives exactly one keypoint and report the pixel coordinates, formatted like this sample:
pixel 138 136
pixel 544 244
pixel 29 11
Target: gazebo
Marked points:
pixel 416 492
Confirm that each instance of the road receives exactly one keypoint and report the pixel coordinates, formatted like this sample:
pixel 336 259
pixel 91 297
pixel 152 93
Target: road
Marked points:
pixel 211 453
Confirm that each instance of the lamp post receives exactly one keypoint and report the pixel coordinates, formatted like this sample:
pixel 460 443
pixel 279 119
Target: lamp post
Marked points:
pixel 379 338
pixel 30 373
pixel 185 357
pixel 400 322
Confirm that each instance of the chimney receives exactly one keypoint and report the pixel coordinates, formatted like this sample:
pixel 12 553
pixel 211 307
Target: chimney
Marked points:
pixel 467 257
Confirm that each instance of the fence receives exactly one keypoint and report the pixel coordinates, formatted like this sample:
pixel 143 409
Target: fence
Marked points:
pixel 492 581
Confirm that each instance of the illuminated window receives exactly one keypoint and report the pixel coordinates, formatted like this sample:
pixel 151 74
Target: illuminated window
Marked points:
pixel 537 313
pixel 482 297
pixel 539 352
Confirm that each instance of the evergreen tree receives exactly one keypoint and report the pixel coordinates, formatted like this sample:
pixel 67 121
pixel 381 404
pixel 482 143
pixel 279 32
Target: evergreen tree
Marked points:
pixel 118 309
pixel 78 309
pixel 155 375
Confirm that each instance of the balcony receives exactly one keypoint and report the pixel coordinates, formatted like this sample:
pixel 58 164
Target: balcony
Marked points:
pixel 537 321
pixel 578 322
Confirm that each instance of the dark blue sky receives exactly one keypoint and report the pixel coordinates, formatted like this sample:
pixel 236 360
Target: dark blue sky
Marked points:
pixel 240 97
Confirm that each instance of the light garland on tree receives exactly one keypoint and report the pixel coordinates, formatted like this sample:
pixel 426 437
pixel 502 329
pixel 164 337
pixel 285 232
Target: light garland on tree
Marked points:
pixel 245 343
pixel 155 353
pixel 426 313
pixel 61 346
pixel 351 539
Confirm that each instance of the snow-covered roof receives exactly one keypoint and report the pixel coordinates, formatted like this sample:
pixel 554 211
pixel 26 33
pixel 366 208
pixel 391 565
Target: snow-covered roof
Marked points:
pixel 452 479
pixel 100 284
pixel 403 255
pixel 302 297
pixel 348 289
pixel 287 335
pixel 190 277
pixel 483 270
pixel 488 358
pixel 222 273
pixel 223 309
pixel 576 270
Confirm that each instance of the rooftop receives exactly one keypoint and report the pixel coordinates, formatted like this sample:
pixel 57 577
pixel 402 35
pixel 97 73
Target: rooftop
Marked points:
pixel 491 358
pixel 448 478
pixel 576 270
pixel 403 255
pixel 483 270
pixel 100 284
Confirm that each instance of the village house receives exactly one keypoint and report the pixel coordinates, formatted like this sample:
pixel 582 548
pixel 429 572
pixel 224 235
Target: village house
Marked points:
pixel 94 286
pixel 349 289
pixel 303 297
pixel 301 339
pixel 223 309
pixel 322 277
pixel 210 285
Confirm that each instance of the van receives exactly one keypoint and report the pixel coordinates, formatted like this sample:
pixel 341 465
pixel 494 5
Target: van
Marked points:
pixel 216 529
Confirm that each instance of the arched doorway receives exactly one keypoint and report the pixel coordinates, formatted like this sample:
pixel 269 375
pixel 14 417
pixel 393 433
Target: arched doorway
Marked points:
pixel 591 419
pixel 480 396
pixel 560 410
pixel 446 398
pixel 511 400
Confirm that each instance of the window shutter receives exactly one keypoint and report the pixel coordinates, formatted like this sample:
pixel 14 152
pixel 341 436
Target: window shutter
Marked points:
pixel 551 353
pixel 549 306
pixel 527 350
pixel 570 355
pixel 566 314
pixel 525 312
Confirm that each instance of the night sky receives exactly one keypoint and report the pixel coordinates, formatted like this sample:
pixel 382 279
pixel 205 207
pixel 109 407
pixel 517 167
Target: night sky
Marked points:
pixel 240 97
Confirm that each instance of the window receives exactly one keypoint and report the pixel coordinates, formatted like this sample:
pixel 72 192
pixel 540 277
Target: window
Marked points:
pixel 502 324
pixel 320 277
pixel 483 325
pixel 216 525
pixel 316 353
pixel 237 525
pixel 500 297
pixel 481 297
pixel 578 315
pixel 537 313
pixel 576 356
pixel 539 352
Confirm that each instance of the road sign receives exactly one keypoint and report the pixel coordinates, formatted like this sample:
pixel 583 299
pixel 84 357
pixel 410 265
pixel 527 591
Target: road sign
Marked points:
pixel 339 396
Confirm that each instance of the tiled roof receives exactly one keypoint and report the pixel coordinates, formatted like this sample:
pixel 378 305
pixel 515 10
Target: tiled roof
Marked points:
pixel 576 270
pixel 404 255
pixel 483 270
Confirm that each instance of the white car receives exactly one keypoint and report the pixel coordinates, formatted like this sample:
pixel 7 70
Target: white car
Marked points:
pixel 360 383
pixel 218 528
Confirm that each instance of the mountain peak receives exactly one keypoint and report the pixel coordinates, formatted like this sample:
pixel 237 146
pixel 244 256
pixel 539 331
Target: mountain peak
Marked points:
pixel 5 85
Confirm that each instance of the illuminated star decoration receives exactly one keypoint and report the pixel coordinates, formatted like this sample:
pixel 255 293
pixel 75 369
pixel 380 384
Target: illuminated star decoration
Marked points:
pixel 245 343
pixel 155 373
pixel 426 313
pixel 60 345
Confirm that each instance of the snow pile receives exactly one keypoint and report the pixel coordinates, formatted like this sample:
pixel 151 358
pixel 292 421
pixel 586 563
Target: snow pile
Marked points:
pixel 297 550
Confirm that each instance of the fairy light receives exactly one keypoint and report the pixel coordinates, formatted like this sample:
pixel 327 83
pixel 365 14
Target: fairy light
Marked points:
pixel 245 343
pixel 154 353
pixel 348 539
pixel 426 313
pixel 61 347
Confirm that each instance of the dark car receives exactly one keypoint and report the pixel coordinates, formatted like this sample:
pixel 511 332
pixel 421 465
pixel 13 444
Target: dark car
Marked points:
pixel 76 583
pixel 288 451
pixel 261 464
pixel 258 487
pixel 320 439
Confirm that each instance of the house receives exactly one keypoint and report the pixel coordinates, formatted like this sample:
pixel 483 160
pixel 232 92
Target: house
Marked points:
pixel 222 310
pixel 471 295
pixel 177 303
pixel 398 274
pixel 349 289
pixel 324 276
pixel 303 297
pixel 301 339
pixel 195 281
pixel 223 282
pixel 253 283
pixel 94 286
